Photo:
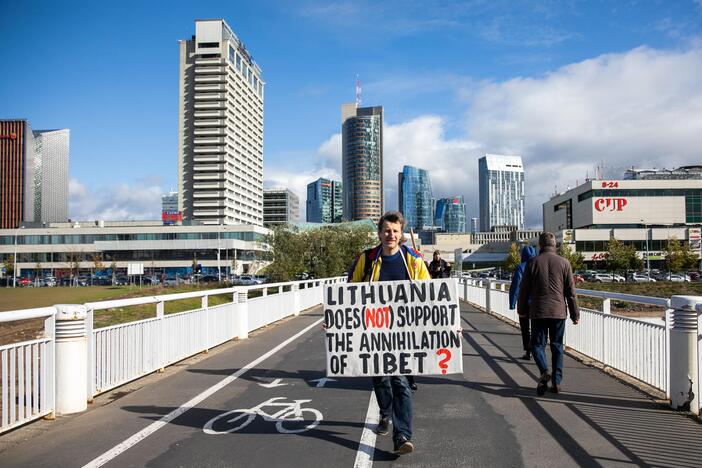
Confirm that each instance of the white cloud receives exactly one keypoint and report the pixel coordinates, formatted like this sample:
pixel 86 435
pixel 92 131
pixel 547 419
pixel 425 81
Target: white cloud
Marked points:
pixel 140 201
pixel 638 108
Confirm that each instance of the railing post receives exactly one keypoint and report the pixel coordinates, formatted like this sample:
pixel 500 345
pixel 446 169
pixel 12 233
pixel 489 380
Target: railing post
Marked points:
pixel 683 353
pixel 264 291
pixel 295 289
pixel 242 319
pixel 488 287
pixel 205 305
pixel 161 359
pixel 607 306
pixel 89 320
pixel 71 359
pixel 48 368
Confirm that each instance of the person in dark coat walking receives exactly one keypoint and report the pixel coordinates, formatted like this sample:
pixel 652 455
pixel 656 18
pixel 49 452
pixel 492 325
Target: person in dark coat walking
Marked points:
pixel 438 268
pixel 528 252
pixel 547 286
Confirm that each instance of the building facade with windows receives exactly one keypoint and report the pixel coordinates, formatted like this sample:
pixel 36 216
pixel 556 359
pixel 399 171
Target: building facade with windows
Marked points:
pixel 643 212
pixel 450 214
pixel 324 201
pixel 501 191
pixel 33 174
pixel 59 247
pixel 220 124
pixel 415 197
pixel 280 206
pixel 362 162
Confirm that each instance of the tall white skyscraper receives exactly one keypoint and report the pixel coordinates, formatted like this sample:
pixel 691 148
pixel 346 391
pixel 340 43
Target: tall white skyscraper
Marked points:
pixel 51 148
pixel 220 123
pixel 501 191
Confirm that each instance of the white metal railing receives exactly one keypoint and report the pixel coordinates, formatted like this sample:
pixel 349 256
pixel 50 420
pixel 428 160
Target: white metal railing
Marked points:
pixel 27 372
pixel 121 353
pixel 637 348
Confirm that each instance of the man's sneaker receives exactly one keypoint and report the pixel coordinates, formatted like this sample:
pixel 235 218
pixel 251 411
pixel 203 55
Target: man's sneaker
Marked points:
pixel 383 426
pixel 403 446
pixel 555 388
pixel 413 387
pixel 543 383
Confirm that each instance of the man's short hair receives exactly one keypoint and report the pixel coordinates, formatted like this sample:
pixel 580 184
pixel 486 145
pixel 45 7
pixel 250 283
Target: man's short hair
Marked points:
pixel 436 252
pixel 392 217
pixel 547 239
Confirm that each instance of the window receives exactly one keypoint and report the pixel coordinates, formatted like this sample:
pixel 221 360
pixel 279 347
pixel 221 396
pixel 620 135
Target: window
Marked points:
pixel 207 44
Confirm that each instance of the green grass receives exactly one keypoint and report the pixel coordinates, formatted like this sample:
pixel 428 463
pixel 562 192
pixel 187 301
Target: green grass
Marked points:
pixel 26 298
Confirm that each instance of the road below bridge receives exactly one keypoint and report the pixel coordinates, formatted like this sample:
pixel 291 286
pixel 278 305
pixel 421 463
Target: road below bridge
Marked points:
pixel 490 416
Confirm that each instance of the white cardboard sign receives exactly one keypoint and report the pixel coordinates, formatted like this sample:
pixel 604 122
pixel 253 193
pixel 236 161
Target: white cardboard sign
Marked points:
pixel 393 328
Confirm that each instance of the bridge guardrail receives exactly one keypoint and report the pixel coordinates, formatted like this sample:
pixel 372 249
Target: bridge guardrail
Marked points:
pixel 124 352
pixel 637 348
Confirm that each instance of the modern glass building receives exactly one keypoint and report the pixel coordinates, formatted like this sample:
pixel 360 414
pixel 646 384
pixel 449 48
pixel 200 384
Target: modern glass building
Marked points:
pixel 324 201
pixel 33 174
pixel 501 191
pixel 415 197
pixel 220 123
pixel 450 214
pixel 362 162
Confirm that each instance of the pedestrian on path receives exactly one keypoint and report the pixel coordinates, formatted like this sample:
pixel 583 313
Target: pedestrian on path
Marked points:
pixel 546 288
pixel 392 261
pixel 438 268
pixel 528 252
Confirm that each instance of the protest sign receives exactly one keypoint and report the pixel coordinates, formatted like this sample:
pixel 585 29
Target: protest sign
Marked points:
pixel 393 328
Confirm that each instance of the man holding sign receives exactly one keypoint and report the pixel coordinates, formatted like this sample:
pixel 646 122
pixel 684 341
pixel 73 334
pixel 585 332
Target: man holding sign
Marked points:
pixel 387 325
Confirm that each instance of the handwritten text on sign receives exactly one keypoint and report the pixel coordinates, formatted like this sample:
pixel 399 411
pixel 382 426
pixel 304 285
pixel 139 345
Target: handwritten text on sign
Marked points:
pixel 392 328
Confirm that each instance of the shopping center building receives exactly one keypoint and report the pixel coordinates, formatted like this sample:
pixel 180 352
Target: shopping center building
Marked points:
pixel 644 209
pixel 56 248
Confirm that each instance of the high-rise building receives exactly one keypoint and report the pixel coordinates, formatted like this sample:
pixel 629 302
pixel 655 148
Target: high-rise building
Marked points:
pixel 501 190
pixel 51 150
pixel 220 128
pixel 362 162
pixel 324 201
pixel 280 206
pixel 415 198
pixel 474 226
pixel 33 174
pixel 450 215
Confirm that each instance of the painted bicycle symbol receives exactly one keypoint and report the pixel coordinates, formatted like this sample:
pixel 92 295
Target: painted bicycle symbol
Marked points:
pixel 292 418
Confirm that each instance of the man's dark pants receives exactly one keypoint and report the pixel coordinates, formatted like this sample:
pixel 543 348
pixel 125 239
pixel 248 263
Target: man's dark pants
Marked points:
pixel 395 401
pixel 552 330
pixel 526 335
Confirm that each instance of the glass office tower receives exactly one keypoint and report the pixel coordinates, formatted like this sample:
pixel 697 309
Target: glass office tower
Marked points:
pixel 324 201
pixel 450 214
pixel 362 162
pixel 415 198
pixel 501 189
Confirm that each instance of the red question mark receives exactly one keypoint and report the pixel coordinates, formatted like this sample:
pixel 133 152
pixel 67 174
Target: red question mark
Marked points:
pixel 447 357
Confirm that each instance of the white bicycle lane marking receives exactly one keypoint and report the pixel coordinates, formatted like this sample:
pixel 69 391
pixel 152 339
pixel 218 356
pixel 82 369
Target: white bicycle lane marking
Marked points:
pixel 155 426
pixel 291 413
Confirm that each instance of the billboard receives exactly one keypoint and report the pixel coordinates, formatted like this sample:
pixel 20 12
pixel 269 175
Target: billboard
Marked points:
pixel 171 217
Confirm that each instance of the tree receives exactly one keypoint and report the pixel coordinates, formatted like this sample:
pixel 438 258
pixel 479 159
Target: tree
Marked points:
pixel 575 259
pixel 323 252
pixel 73 265
pixel 9 264
pixel 679 256
pixel 513 258
pixel 113 268
pixel 622 257
pixel 97 262
pixel 37 270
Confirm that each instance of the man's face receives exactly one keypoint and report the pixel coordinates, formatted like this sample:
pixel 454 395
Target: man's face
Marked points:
pixel 437 256
pixel 390 235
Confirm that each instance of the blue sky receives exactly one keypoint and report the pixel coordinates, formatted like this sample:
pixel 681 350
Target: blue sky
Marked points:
pixel 567 85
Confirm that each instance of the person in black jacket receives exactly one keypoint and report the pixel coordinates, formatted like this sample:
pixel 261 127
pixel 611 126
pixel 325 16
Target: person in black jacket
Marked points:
pixel 438 268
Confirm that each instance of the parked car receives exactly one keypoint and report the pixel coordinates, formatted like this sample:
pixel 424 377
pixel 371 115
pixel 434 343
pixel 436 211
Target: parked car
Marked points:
pixel 25 282
pixel 209 279
pixel 641 278
pixel 83 281
pixel 606 278
pixel 172 281
pixel 261 279
pixel 247 280
pixel 121 280
pixel 675 278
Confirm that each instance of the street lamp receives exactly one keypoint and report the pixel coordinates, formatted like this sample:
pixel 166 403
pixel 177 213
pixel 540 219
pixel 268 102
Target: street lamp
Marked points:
pixel 648 259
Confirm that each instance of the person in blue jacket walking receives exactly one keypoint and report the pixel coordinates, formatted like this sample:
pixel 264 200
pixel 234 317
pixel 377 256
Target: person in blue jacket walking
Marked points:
pixel 528 252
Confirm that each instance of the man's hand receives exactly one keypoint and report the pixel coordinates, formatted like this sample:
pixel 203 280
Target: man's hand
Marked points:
pixel 575 322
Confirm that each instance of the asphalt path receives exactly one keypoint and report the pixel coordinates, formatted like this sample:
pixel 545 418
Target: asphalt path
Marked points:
pixel 219 411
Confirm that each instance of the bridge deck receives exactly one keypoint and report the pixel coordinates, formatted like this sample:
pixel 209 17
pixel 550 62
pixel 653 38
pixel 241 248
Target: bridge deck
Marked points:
pixel 491 416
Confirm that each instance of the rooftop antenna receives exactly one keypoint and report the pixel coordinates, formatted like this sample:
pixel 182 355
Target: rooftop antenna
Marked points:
pixel 358 91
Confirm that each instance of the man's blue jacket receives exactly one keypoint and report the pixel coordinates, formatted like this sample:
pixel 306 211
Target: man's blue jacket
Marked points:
pixel 528 253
